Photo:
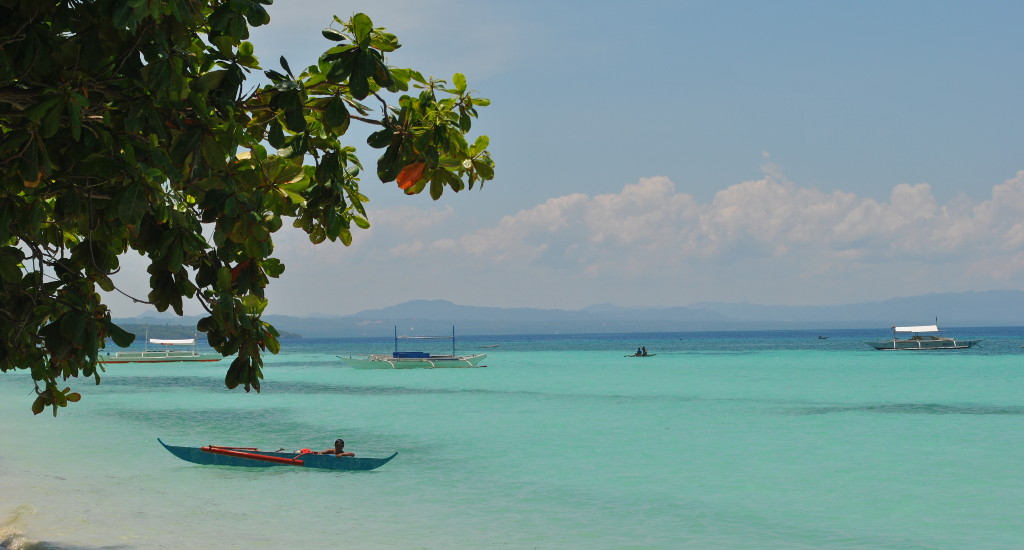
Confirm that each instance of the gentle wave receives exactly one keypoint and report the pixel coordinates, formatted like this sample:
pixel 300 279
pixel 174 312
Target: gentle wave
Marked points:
pixel 914 408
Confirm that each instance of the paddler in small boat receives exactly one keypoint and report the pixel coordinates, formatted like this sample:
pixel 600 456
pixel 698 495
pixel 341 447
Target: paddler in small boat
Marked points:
pixel 338 450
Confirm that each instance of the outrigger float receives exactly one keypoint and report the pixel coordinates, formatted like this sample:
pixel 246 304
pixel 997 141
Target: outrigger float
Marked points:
pixel 252 457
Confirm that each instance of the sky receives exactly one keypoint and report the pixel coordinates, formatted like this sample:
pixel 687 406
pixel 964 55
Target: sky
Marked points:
pixel 666 153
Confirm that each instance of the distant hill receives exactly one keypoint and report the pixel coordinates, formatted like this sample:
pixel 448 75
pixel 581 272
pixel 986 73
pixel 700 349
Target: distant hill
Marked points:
pixel 436 317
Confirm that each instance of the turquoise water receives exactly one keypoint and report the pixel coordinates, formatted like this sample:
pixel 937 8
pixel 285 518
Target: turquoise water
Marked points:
pixel 722 440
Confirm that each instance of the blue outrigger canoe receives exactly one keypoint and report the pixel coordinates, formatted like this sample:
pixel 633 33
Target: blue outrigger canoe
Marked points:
pixel 216 455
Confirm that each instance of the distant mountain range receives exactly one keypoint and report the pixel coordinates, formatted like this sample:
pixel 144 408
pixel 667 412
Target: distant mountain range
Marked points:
pixel 991 308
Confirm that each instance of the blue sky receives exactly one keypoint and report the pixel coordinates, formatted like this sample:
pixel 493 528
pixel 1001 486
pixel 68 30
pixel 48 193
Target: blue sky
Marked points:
pixel 668 153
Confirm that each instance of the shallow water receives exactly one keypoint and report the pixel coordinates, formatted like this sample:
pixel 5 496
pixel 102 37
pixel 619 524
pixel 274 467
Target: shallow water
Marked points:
pixel 721 440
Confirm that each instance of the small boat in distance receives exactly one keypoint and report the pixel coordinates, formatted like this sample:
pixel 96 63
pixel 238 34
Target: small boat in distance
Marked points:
pixel 173 351
pixel 216 455
pixel 920 340
pixel 416 359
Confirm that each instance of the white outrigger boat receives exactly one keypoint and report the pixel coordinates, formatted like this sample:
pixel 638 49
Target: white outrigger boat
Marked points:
pixel 919 340
pixel 416 359
pixel 173 351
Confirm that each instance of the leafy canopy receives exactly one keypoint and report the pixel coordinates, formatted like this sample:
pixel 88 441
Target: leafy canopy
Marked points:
pixel 135 125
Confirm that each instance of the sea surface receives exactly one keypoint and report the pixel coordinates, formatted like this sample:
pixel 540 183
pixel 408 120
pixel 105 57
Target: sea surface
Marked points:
pixel 722 440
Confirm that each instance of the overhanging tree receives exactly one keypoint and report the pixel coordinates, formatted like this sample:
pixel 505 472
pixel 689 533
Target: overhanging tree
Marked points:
pixel 134 125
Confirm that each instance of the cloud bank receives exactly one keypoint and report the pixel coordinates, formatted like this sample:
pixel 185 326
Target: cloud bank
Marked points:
pixel 766 241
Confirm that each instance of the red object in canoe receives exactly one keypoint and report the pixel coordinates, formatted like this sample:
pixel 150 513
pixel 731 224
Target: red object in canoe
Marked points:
pixel 240 453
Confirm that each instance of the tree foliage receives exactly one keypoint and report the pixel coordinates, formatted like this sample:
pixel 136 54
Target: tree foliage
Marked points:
pixel 136 125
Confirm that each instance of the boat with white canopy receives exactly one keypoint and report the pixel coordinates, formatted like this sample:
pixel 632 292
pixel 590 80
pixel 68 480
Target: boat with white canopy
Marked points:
pixel 415 359
pixel 168 351
pixel 922 337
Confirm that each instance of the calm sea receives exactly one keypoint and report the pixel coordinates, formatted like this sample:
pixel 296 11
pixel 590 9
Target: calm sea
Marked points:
pixel 756 440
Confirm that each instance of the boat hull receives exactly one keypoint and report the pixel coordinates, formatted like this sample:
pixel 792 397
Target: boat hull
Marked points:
pixel 923 345
pixel 432 362
pixel 211 455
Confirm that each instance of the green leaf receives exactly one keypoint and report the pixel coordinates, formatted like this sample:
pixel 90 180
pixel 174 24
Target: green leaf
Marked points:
pixel 133 204
pixel 459 80
pixel 257 15
pixel 272 343
pixel 213 153
pixel 359 80
pixel 224 279
pixel 51 122
pixel 296 147
pixel 36 112
pixel 275 76
pixel 381 73
pixel 385 42
pixel 333 34
pixel 275 135
pixel 362 26
pixel 294 111
pixel 210 81
pixel 340 70
pixel 381 138
pixel 72 327
pixel 254 305
pixel 296 198
pixel 295 186
pixel 337 117
pixel 479 145
pixel 273 267
pixel 105 282
pixel 484 167
pixel 235 372
pixel 388 165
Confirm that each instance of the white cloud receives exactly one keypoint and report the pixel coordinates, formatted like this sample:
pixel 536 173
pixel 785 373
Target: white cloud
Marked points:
pixel 755 229
pixel 765 241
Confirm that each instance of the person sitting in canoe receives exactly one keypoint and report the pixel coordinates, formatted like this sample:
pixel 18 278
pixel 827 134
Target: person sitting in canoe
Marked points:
pixel 338 450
